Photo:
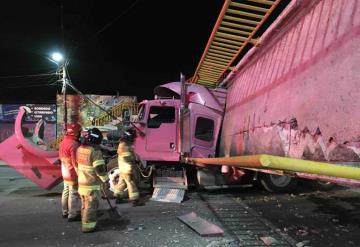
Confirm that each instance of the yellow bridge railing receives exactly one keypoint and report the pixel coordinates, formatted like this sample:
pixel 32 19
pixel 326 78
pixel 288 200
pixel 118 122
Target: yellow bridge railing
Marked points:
pixel 116 111
pixel 235 28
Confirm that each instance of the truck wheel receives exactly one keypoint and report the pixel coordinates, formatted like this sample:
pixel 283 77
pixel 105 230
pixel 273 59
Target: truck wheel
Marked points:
pixel 276 183
pixel 322 186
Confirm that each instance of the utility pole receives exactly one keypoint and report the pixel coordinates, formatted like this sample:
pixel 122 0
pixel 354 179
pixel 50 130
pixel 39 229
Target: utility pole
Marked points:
pixel 63 65
pixel 64 92
pixel 59 60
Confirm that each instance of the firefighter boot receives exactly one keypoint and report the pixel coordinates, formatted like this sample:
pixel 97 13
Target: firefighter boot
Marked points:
pixel 88 230
pixel 137 202
pixel 76 218
pixel 119 200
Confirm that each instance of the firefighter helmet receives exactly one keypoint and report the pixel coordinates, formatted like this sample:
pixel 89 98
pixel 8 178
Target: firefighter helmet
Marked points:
pixel 93 136
pixel 128 135
pixel 72 129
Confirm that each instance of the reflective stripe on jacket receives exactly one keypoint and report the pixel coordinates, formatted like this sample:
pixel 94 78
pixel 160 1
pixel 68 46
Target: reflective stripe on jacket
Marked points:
pixel 67 155
pixel 89 158
pixel 125 151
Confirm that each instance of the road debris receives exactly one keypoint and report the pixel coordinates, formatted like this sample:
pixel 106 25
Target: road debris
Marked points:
pixel 302 232
pixel 303 243
pixel 222 242
pixel 268 240
pixel 200 225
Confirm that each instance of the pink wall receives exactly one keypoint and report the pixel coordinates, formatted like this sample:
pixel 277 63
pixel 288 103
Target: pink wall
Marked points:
pixel 307 69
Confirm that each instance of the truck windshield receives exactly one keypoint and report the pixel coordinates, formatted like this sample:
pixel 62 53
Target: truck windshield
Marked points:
pixel 159 115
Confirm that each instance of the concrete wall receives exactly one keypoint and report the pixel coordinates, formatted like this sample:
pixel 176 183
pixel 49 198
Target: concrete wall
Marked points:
pixel 298 94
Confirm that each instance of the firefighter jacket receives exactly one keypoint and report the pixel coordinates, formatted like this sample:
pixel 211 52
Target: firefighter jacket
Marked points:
pixel 67 154
pixel 126 158
pixel 91 169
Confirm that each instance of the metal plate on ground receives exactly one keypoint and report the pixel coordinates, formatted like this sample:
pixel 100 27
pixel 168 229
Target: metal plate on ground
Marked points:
pixel 200 225
pixel 168 195
pixel 170 182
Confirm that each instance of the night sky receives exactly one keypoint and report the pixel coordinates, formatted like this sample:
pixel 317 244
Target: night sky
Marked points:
pixel 122 46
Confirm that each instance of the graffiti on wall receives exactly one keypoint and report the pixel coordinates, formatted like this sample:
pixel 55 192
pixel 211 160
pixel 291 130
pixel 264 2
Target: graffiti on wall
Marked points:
pixel 85 112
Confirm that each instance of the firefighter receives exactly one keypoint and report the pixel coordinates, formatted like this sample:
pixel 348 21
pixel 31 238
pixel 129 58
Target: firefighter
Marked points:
pixel 67 153
pixel 126 162
pixel 92 173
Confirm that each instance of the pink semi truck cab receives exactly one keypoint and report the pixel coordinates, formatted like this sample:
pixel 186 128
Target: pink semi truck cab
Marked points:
pixel 182 121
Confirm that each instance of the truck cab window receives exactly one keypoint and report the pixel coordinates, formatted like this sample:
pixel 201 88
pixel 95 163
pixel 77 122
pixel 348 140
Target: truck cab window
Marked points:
pixel 141 113
pixel 204 129
pixel 159 115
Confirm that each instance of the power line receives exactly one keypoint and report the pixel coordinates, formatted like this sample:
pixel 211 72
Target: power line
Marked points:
pixel 26 76
pixel 30 85
pixel 117 17
pixel 105 26
pixel 44 81
pixel 88 98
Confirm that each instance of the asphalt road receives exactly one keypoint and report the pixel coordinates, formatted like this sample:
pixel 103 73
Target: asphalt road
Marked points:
pixel 318 218
pixel 30 216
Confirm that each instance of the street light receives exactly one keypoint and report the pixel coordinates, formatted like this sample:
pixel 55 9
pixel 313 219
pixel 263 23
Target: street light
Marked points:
pixel 58 59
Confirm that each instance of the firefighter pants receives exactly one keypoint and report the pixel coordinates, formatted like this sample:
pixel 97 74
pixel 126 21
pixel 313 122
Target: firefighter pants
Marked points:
pixel 70 201
pixel 126 180
pixel 89 206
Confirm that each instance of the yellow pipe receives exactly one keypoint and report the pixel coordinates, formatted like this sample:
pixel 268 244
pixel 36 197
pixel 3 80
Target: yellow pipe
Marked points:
pixel 211 60
pixel 308 166
pixel 214 64
pixel 228 41
pixel 251 161
pixel 212 53
pixel 232 30
pixel 264 161
pixel 250 7
pixel 225 45
pixel 240 20
pixel 222 49
pixel 212 50
pixel 243 13
pixel 215 59
pixel 262 1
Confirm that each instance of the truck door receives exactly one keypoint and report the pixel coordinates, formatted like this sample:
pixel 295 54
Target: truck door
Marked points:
pixel 161 129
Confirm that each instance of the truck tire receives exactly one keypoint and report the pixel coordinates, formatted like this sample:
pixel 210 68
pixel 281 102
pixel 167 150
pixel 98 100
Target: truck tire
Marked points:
pixel 276 183
pixel 322 186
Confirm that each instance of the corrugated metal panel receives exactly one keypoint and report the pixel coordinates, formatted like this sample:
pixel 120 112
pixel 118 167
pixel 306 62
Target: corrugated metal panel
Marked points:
pixel 307 71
